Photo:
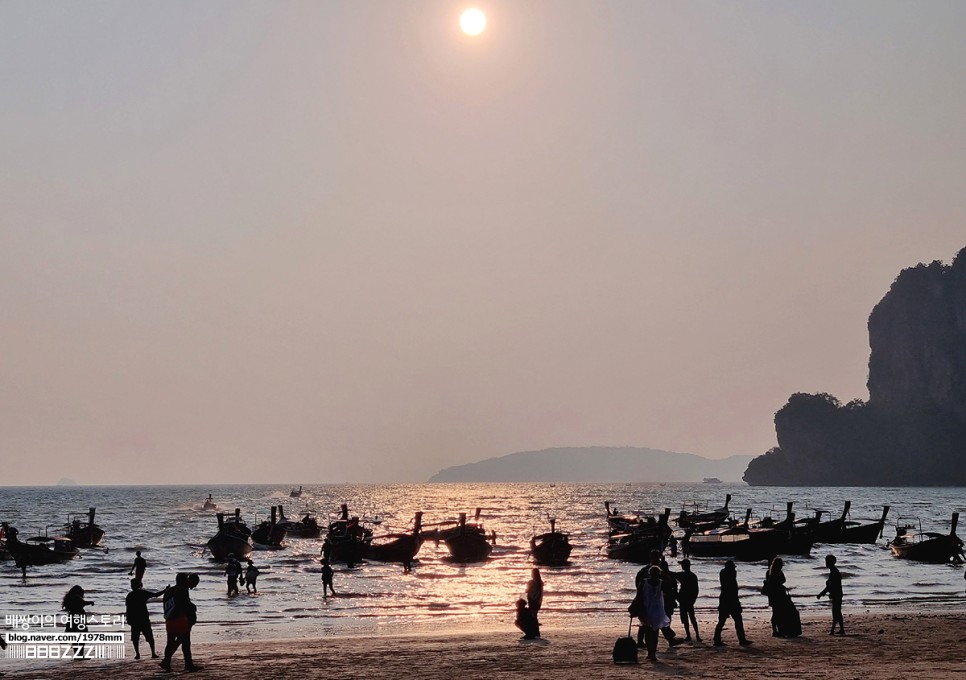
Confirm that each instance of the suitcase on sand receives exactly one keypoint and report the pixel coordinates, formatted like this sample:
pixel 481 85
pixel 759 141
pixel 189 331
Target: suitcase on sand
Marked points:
pixel 625 649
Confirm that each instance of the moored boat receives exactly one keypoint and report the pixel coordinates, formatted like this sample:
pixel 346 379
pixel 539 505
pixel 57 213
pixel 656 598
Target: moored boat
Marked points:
pixel 398 547
pixel 637 544
pixel 233 538
pixel 704 521
pixel 269 534
pixel 551 549
pixel 84 534
pixel 842 530
pixel 467 544
pixel 347 539
pixel 307 527
pixel 38 550
pixel 911 543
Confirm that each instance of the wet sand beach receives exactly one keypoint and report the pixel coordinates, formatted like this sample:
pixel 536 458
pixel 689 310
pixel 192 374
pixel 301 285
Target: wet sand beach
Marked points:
pixel 878 646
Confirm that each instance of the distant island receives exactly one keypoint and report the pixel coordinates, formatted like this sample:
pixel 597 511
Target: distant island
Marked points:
pixel 912 430
pixel 596 464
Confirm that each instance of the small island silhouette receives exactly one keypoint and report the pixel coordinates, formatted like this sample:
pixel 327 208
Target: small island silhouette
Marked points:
pixel 912 429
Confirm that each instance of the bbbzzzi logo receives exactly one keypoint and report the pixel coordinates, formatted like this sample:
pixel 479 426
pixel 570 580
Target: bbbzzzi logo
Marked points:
pixel 36 637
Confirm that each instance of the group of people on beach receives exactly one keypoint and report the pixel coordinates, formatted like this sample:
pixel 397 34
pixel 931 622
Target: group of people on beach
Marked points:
pixel 659 591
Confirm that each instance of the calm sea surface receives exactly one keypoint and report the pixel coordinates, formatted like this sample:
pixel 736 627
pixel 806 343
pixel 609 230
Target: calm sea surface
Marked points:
pixel 169 526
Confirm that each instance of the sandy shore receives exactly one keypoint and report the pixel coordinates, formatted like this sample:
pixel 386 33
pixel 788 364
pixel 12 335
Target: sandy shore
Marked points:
pixel 878 645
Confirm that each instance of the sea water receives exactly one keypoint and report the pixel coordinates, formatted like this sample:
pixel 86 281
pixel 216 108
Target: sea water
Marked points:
pixel 168 525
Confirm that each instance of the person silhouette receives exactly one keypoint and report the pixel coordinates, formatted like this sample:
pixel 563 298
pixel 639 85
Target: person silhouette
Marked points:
pixel 180 614
pixel 774 588
pixel 251 576
pixel 687 596
pixel 642 575
pixel 327 574
pixel 232 571
pixel 136 611
pixel 833 586
pixel 729 605
pixel 648 607
pixel 526 621
pixel 535 592
pixel 74 603
pixel 140 564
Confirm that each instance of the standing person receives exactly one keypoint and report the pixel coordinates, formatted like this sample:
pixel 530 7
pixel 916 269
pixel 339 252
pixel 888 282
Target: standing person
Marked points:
pixel 140 564
pixel 669 587
pixel 672 639
pixel 648 607
pixel 136 611
pixel 774 588
pixel 535 592
pixel 687 596
pixel 232 571
pixel 180 614
pixel 833 586
pixel 326 577
pixel 74 603
pixel 251 575
pixel 729 605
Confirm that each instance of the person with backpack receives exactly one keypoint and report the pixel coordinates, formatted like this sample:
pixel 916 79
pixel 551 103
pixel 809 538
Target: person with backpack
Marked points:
pixel 180 614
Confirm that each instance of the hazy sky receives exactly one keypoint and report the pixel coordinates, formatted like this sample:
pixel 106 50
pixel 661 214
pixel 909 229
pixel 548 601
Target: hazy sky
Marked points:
pixel 328 241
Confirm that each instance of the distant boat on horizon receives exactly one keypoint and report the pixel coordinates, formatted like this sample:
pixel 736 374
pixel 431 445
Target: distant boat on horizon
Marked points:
pixel 712 480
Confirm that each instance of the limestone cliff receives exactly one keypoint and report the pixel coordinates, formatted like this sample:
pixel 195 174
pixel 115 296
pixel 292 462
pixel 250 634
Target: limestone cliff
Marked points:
pixel 912 430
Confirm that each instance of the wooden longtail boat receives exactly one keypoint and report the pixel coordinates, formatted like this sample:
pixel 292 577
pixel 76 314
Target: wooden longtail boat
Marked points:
pixel 233 538
pixel 551 549
pixel 929 546
pixel 84 534
pixel 399 547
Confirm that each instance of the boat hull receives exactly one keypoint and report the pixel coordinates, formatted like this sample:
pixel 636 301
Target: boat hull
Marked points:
pixel 401 549
pixel 222 545
pixel 470 547
pixel 551 550
pixel 939 550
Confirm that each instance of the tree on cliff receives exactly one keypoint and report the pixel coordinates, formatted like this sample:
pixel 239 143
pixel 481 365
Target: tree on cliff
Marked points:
pixel 912 431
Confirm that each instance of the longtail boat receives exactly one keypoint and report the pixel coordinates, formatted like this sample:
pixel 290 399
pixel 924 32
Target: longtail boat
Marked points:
pixel 923 546
pixel 84 534
pixel 398 547
pixel 551 549
pixel 233 538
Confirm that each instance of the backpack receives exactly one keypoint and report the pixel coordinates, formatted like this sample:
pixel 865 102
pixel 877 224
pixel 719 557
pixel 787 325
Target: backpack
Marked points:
pixel 169 606
pixel 625 649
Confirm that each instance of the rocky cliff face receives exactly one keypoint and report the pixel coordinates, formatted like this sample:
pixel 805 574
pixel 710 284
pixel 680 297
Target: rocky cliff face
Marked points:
pixel 912 431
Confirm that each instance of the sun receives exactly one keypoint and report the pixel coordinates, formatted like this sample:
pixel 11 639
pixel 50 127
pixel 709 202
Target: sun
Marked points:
pixel 472 21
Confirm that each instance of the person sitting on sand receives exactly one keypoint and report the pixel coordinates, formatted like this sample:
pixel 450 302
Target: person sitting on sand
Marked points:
pixel 251 575
pixel 648 607
pixel 136 610
pixel 526 621
pixel 833 586
pixel 326 577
